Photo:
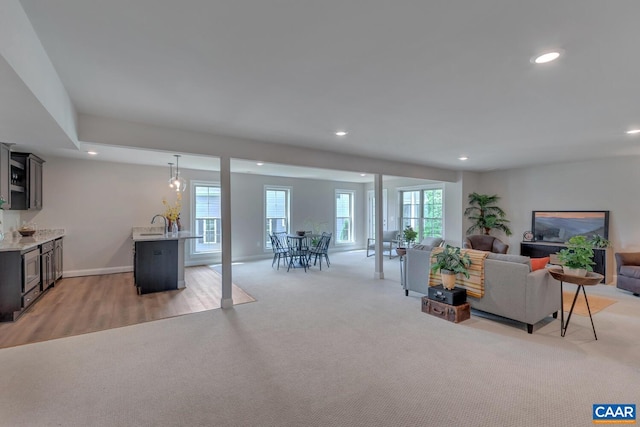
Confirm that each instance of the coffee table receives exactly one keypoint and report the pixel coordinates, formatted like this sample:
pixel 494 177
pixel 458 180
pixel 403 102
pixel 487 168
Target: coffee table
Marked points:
pixel 590 279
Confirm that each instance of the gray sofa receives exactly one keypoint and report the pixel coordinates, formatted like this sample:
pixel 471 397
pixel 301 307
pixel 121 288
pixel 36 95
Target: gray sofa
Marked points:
pixel 512 290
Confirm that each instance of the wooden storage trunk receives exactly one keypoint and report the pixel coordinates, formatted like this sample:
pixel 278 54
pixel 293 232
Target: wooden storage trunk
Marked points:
pixel 452 313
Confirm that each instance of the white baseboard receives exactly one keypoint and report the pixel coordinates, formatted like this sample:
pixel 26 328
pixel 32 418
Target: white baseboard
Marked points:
pixel 97 271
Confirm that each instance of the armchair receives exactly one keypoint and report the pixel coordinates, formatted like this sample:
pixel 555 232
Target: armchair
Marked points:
pixel 628 270
pixel 483 242
pixel 390 240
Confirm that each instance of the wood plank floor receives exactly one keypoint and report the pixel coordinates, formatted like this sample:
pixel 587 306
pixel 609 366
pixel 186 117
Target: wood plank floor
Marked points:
pixel 79 305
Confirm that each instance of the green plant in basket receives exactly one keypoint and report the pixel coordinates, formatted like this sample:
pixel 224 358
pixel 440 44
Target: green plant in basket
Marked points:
pixel 578 254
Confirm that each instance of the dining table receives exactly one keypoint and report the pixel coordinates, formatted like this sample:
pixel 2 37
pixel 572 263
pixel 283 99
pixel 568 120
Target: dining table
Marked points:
pixel 297 248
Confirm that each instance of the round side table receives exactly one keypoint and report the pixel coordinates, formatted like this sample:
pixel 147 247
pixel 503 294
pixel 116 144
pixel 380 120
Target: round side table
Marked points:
pixel 589 280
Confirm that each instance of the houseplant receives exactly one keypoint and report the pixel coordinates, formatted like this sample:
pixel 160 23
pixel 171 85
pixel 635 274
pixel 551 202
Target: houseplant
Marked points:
pixel 577 257
pixel 450 262
pixel 409 235
pixel 172 213
pixel 597 241
pixel 485 215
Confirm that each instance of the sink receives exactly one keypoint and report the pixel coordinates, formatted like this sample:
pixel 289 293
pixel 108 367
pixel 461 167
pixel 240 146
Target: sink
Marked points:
pixel 152 234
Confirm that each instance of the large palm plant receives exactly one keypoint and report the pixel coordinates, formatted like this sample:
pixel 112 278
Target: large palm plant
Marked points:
pixel 485 215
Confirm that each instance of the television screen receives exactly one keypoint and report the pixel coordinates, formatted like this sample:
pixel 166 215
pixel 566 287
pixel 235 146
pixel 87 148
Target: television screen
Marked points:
pixel 560 226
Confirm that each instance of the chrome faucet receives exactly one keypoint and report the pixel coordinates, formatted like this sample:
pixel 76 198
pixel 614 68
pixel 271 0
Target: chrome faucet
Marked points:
pixel 165 221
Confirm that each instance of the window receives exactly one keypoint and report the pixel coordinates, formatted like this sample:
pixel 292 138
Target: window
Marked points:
pixel 432 213
pixel 206 197
pixel 422 210
pixel 344 216
pixel 276 208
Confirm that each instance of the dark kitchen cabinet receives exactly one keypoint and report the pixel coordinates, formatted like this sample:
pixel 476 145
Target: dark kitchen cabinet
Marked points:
pixel 25 276
pixel 156 266
pixel 57 259
pixel 19 282
pixel 26 181
pixel 47 266
pixel 5 175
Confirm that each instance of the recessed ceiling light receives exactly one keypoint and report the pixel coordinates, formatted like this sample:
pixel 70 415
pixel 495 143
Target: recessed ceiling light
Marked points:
pixel 260 163
pixel 341 133
pixel 633 131
pixel 546 57
pixel 363 174
pixel 463 158
pixel 92 153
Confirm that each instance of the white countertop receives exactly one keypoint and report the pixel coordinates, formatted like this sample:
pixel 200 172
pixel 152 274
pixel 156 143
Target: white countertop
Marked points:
pixel 142 234
pixel 22 244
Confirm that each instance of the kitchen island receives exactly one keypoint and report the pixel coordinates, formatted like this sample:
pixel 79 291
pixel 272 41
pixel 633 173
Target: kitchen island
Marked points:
pixel 158 263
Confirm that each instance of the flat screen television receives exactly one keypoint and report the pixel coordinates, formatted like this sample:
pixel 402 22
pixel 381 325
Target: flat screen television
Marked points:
pixel 560 226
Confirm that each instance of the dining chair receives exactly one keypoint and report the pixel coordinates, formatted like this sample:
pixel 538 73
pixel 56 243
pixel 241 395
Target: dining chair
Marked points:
pixel 297 252
pixel 321 249
pixel 280 249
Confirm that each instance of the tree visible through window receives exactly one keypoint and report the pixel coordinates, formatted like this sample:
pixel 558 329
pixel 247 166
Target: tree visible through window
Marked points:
pixel 276 207
pixel 207 218
pixel 344 216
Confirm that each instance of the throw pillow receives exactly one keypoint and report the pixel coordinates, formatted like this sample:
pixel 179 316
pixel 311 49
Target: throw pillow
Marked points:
pixel 539 263
pixel 431 241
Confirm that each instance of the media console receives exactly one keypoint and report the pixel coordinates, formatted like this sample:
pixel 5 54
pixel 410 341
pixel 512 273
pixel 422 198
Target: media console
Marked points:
pixel 603 257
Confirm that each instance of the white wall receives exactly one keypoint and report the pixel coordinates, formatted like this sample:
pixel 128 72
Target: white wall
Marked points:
pixel 98 203
pixel 311 201
pixel 607 184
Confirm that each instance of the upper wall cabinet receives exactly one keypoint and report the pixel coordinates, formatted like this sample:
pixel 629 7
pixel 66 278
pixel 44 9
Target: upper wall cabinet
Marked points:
pixel 26 181
pixel 5 175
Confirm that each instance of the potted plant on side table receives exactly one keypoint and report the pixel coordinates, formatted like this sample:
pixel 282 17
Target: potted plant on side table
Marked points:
pixel 409 235
pixel 577 258
pixel 451 262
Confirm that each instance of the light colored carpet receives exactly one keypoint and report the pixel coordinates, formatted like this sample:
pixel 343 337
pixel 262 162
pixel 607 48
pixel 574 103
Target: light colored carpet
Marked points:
pixel 596 303
pixel 330 348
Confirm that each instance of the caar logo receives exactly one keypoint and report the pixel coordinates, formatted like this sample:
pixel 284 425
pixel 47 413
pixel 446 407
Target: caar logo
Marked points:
pixel 605 413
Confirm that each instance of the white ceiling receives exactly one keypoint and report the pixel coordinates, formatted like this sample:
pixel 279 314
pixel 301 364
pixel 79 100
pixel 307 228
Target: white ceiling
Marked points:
pixel 416 81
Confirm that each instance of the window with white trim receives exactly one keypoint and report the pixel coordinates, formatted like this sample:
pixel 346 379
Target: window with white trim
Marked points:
pixel 276 208
pixel 344 216
pixel 423 210
pixel 207 218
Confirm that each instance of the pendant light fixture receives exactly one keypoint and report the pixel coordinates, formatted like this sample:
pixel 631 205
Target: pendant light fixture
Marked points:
pixel 171 176
pixel 179 183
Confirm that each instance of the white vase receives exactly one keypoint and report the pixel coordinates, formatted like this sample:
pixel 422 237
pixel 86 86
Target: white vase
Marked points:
pixel 580 272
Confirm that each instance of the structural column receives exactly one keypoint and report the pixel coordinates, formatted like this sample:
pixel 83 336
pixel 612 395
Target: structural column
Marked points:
pixel 379 274
pixel 225 201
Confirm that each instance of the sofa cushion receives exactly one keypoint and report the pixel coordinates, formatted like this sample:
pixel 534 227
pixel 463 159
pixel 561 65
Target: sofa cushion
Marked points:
pixel 630 271
pixel 539 263
pixel 422 247
pixel 510 258
pixel 431 241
